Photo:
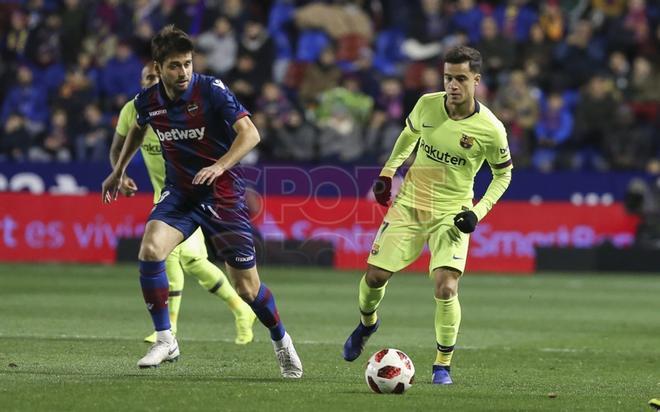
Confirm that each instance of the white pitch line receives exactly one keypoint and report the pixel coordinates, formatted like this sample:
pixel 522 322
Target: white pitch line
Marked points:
pixel 301 341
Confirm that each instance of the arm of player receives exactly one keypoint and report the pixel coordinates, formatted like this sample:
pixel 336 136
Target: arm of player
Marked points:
pixel 128 186
pixel 113 182
pixel 403 147
pixel 499 159
pixel 247 137
pixel 496 189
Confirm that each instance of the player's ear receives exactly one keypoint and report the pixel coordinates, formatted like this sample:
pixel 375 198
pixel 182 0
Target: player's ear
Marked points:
pixel 157 67
pixel 477 78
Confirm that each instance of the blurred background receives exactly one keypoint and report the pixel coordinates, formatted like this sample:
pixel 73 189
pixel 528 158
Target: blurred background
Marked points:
pixel 329 83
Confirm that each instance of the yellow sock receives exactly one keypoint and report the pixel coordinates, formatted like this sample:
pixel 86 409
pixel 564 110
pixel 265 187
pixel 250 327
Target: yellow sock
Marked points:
pixel 447 321
pixel 176 280
pixel 214 280
pixel 173 304
pixel 369 299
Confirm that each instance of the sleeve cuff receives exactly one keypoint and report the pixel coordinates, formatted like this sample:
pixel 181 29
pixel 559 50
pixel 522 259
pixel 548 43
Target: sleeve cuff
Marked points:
pixel 387 172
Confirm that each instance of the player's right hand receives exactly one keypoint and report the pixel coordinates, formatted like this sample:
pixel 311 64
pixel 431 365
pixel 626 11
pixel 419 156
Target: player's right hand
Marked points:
pixel 110 187
pixel 128 187
pixel 383 190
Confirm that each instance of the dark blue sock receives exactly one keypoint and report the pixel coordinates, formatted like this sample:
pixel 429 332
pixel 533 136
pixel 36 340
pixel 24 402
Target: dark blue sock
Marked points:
pixel 265 309
pixel 155 289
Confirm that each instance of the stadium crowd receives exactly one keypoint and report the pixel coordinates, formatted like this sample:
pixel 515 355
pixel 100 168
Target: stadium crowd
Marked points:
pixel 575 82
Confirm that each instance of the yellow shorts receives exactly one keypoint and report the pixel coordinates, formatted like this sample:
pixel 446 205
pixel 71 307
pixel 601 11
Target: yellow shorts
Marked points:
pixel 404 232
pixel 193 247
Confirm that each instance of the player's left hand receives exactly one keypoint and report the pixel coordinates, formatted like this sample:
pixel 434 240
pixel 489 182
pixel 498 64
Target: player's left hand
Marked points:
pixel 207 175
pixel 466 221
pixel 128 187
pixel 110 187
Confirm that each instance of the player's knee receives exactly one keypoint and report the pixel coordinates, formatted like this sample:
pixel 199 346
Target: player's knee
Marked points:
pixel 151 252
pixel 246 289
pixel 376 277
pixel 188 263
pixel 445 291
pixel 246 293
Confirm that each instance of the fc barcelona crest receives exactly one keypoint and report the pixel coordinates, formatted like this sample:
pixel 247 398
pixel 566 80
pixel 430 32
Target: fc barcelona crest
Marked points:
pixel 192 108
pixel 467 141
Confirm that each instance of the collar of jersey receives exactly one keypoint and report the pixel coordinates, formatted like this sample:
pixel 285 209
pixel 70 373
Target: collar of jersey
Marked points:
pixel 477 107
pixel 185 97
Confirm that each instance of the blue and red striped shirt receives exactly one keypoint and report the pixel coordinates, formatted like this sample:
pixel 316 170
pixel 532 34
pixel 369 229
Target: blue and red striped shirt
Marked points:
pixel 195 131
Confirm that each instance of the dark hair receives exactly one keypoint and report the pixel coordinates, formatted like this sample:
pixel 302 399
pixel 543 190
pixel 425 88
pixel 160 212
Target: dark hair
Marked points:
pixel 168 41
pixel 462 54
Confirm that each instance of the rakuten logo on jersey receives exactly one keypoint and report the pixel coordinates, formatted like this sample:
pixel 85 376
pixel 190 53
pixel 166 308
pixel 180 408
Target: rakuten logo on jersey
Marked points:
pixel 181 134
pixel 437 156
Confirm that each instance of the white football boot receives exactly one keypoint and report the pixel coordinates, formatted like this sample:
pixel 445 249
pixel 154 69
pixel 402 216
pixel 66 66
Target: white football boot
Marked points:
pixel 290 365
pixel 159 352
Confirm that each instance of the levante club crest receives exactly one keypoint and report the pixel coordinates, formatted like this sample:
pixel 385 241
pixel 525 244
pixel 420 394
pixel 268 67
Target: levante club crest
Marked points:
pixel 467 141
pixel 192 108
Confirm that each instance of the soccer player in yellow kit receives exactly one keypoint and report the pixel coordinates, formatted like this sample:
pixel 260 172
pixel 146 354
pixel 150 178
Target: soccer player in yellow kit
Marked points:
pixel 452 134
pixel 190 257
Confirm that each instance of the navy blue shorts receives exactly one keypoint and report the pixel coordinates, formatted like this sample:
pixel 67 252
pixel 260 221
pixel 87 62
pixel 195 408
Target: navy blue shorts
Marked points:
pixel 228 228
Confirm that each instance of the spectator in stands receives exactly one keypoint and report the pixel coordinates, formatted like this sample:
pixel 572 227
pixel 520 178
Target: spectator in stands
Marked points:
pixel 48 70
pixel 467 19
pixel 73 96
pixel 619 70
pixel 535 58
pixel 15 139
pixel 191 16
pixel 295 139
pixel 45 36
pixel 319 77
pixel 515 18
pixel 517 106
pixel 385 124
pixel 246 80
pixel 629 143
pixel 141 40
pixel 593 118
pixel 27 100
pixel 342 115
pixel 346 98
pixel 256 42
pixel 114 16
pixel 551 21
pixel 119 74
pixel 94 142
pixel 74 28
pixel 427 28
pixel 15 41
pixel 645 82
pixel 54 143
pixel 363 69
pixel 498 52
pixel 273 103
pixel 578 57
pixel 220 46
pixel 553 132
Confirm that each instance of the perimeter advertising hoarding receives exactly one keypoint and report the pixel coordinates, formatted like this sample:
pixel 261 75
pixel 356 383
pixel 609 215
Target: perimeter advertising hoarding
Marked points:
pixel 79 229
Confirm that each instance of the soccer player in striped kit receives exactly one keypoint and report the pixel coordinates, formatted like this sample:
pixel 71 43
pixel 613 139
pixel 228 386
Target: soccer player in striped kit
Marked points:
pixel 204 132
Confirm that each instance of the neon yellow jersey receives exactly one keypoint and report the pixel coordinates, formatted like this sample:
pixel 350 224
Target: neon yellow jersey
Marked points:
pixel 151 152
pixel 449 153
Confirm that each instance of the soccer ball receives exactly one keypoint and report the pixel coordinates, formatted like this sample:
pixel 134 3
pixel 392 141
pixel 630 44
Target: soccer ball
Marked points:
pixel 389 371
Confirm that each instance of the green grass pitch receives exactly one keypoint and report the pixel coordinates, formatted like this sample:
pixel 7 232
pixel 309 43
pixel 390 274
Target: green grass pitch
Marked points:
pixel 70 336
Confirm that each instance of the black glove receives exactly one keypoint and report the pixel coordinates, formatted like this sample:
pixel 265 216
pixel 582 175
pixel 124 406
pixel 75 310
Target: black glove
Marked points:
pixel 383 190
pixel 466 221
